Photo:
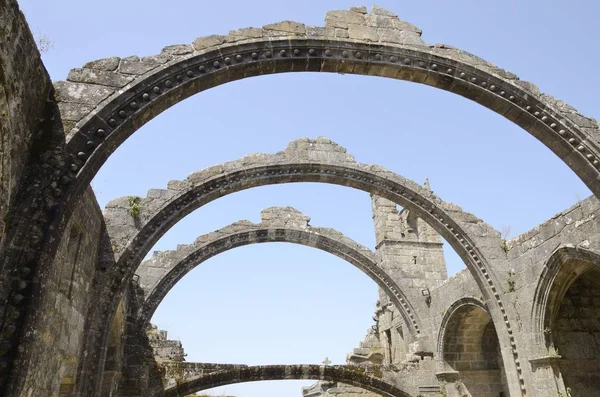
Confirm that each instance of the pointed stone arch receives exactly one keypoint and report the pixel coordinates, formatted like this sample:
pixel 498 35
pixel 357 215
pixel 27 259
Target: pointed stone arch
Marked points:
pixel 104 102
pixel 449 314
pixel 566 320
pixel 354 376
pixel 159 274
pixel 304 160
pixel 107 100
pixel 469 350
pixel 564 266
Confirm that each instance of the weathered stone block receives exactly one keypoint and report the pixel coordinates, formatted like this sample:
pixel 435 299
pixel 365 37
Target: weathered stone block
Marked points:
pixel 137 66
pixel 376 10
pixel 529 86
pixel 318 31
pixel 360 32
pixel 360 10
pixel 203 43
pixel 341 19
pixel 88 94
pixel 108 64
pixel 412 38
pixel 100 77
pixel 381 22
pixel 178 49
pixel 390 36
pixel 341 33
pixel 295 28
pixel 246 33
pixel 73 111
pixel 200 176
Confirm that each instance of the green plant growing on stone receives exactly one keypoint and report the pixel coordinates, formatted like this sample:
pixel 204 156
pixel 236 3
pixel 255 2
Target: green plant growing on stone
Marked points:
pixel 505 234
pixel 547 330
pixel 134 207
pixel 511 281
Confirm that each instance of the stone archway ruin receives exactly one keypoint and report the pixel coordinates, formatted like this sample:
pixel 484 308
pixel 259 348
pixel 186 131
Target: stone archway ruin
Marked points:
pixel 317 160
pixel 469 346
pixel 564 266
pixel 101 104
pixel 159 274
pixel 349 375
pixel 566 318
pixel 304 160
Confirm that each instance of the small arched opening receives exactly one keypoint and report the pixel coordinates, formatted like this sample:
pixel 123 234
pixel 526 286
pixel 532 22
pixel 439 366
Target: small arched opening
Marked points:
pixel 471 348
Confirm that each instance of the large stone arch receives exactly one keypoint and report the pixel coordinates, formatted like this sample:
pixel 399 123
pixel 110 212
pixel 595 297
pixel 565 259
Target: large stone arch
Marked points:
pixel 563 267
pixel 354 376
pixel 304 160
pixel 566 319
pixel 319 160
pixel 107 100
pixel 159 274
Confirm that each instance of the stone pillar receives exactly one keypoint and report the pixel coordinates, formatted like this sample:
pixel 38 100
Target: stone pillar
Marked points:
pixel 141 376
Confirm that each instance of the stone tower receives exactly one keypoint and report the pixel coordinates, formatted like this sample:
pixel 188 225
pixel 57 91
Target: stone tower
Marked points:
pixel 408 248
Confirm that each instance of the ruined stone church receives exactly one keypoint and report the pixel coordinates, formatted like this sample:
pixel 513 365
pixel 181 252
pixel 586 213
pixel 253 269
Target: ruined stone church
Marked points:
pixel 77 296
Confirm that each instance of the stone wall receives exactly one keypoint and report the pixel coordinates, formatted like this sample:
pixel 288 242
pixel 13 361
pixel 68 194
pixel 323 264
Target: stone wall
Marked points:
pixel 57 344
pixel 165 349
pixel 570 226
pixel 139 372
pixel 576 228
pixel 24 88
pixel 390 330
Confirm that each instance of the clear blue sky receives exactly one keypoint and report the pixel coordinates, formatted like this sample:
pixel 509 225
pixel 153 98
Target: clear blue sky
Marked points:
pixel 279 303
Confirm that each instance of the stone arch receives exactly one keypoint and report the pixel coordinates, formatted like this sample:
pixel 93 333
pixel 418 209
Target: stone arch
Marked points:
pixel 304 160
pixel 566 319
pixel 468 346
pixel 104 102
pixel 107 100
pixel 564 266
pixel 468 301
pixel 158 275
pixel 354 376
